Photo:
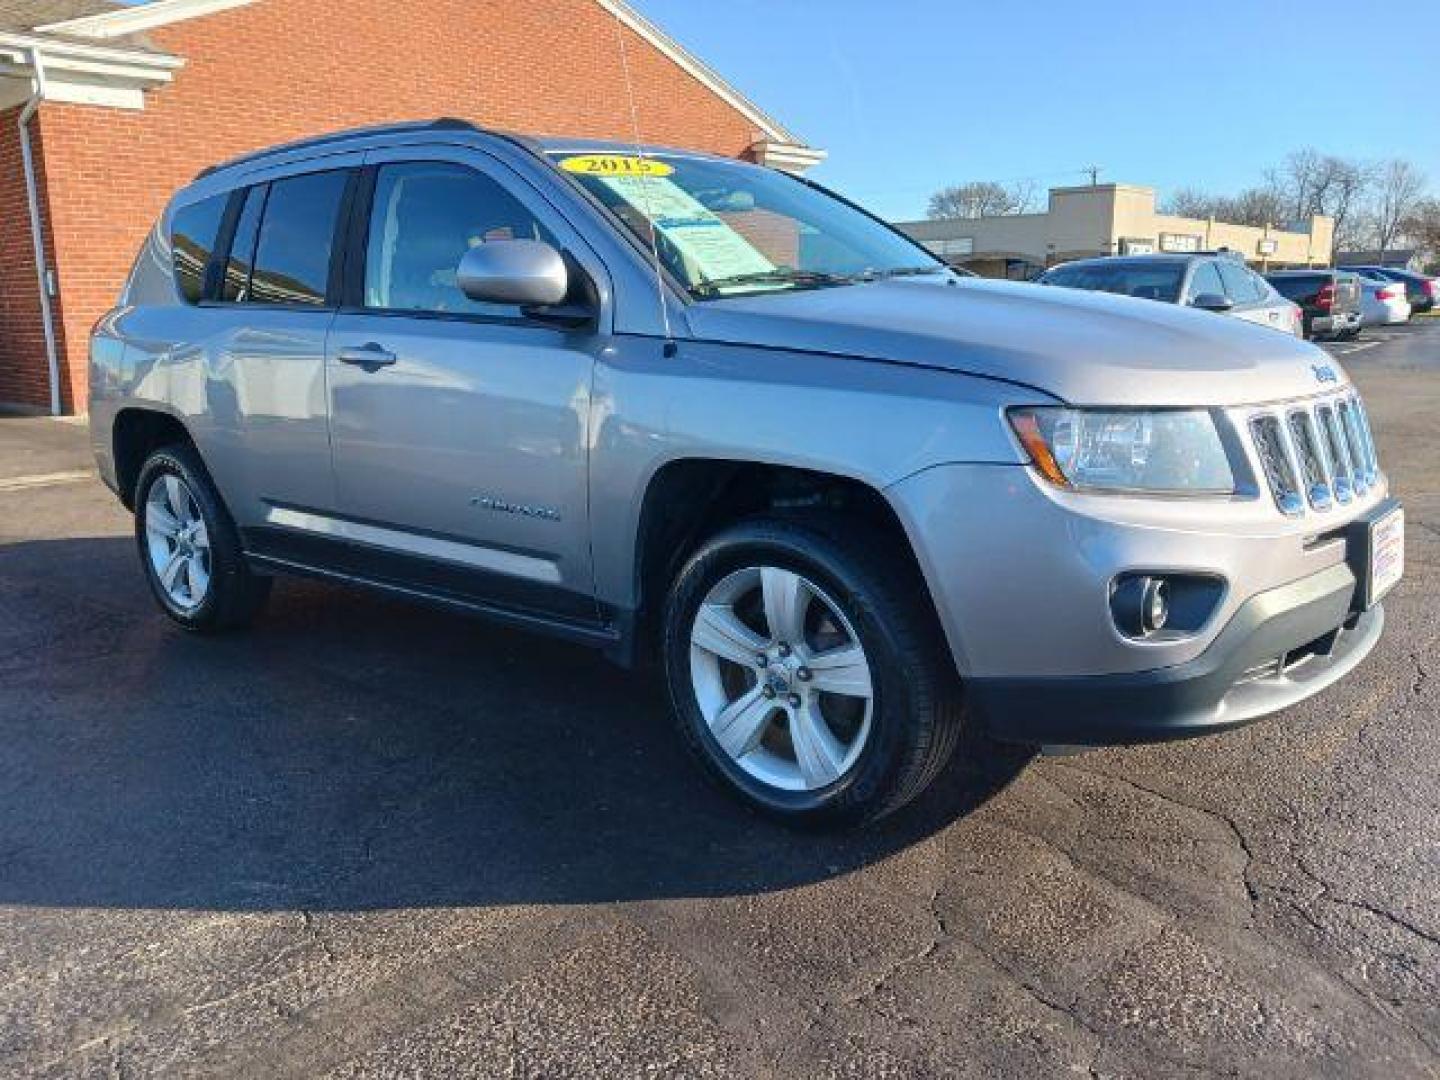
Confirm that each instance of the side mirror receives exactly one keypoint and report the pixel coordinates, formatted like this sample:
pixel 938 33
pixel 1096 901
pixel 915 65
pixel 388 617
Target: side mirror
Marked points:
pixel 1209 301
pixel 524 272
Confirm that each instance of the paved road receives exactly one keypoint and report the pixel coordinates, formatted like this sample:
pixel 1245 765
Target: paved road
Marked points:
pixel 367 839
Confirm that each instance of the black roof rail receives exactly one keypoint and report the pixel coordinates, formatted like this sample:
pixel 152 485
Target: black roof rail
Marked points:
pixel 444 123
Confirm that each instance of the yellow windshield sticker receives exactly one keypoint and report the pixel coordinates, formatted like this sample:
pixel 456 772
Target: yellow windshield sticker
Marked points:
pixel 615 165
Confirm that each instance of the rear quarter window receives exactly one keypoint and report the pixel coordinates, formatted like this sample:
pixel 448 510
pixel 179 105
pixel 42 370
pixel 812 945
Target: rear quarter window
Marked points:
pixel 193 232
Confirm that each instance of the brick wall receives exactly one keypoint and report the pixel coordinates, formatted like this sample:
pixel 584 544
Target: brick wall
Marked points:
pixel 283 69
pixel 23 370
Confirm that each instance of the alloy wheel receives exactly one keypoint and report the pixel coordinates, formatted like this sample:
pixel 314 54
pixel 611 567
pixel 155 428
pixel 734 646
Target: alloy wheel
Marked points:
pixel 781 678
pixel 178 542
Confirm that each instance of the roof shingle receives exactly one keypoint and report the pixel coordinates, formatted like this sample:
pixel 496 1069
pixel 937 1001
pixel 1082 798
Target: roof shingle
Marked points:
pixel 28 14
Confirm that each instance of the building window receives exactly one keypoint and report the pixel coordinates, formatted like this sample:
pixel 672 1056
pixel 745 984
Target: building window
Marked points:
pixel 193 232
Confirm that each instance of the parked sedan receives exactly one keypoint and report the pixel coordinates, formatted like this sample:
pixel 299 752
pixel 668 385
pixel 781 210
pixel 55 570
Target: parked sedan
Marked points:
pixel 1382 302
pixel 1422 290
pixel 1328 299
pixel 1207 280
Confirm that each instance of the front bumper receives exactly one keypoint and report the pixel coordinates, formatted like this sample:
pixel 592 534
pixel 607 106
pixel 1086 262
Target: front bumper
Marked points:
pixel 1022 574
pixel 1280 647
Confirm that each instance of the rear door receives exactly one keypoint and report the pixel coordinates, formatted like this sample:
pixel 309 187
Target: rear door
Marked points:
pixel 269 316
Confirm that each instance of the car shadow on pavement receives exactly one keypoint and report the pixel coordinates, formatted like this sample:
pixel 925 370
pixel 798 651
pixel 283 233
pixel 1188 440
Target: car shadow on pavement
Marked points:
pixel 353 753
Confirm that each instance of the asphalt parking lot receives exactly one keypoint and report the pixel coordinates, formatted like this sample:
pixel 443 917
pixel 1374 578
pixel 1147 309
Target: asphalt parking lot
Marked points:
pixel 370 839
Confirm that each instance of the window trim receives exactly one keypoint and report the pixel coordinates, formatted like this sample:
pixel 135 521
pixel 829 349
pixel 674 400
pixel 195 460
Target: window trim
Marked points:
pixel 357 236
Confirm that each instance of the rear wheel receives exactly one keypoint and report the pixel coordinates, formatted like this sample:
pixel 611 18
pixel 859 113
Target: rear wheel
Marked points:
pixel 807 672
pixel 189 547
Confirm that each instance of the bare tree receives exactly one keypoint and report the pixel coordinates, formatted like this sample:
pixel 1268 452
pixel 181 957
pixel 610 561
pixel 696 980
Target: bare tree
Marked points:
pixel 1398 188
pixel 1191 203
pixel 981 198
pixel 1422 227
pixel 1254 206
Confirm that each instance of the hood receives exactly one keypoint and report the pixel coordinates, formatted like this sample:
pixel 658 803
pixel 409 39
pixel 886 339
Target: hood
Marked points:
pixel 1085 348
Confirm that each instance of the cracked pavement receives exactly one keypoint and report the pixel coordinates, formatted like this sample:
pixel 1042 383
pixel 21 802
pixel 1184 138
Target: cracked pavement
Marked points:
pixel 368 839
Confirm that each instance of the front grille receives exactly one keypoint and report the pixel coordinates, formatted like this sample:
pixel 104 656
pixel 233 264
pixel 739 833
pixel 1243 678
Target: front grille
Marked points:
pixel 1316 453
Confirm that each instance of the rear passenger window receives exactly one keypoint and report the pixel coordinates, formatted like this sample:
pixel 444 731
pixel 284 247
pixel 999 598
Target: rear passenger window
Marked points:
pixel 297 236
pixel 193 231
pixel 236 286
pixel 424 217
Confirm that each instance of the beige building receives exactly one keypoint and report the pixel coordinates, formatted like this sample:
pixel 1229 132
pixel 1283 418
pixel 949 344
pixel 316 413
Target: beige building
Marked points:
pixel 1109 219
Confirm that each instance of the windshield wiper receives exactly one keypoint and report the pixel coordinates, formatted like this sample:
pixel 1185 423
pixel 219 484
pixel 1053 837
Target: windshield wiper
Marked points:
pixel 899 271
pixel 813 279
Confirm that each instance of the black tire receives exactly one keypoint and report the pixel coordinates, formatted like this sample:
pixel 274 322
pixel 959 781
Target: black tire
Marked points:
pixel 916 711
pixel 235 594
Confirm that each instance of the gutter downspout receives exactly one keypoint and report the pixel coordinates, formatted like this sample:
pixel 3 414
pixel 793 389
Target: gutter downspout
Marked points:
pixel 37 234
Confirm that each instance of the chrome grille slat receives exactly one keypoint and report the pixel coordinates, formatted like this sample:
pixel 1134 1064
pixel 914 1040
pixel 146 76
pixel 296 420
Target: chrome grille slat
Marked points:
pixel 1339 453
pixel 1278 461
pixel 1316 453
pixel 1313 470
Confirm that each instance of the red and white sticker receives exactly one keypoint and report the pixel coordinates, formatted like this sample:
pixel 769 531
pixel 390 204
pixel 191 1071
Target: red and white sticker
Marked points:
pixel 1387 553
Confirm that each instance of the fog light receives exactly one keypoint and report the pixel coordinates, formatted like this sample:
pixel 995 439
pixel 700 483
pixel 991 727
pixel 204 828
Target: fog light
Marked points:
pixel 1140 605
pixel 1165 607
pixel 1156 605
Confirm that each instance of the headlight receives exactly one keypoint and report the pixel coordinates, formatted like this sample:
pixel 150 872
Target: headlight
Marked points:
pixel 1176 451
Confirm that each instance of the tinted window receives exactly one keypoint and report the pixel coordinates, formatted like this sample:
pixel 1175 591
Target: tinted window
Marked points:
pixel 1206 279
pixel 236 285
pixel 192 242
pixel 1150 281
pixel 297 235
pixel 424 217
pixel 1299 287
pixel 1238 285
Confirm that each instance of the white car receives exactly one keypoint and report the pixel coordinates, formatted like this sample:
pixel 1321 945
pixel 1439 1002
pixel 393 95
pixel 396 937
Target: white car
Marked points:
pixel 1382 302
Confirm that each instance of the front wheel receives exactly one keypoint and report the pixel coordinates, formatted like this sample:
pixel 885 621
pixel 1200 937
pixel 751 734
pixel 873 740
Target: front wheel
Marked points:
pixel 807 671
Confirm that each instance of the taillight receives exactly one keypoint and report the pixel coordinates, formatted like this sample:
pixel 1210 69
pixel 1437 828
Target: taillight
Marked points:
pixel 1387 293
pixel 1432 288
pixel 1326 296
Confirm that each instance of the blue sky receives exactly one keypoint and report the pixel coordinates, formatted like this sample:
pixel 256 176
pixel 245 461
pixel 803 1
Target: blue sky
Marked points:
pixel 908 95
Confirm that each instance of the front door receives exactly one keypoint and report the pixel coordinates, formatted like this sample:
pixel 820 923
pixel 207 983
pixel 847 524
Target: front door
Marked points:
pixel 458 429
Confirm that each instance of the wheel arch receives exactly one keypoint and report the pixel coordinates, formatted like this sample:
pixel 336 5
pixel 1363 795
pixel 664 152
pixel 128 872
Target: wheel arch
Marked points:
pixel 687 500
pixel 136 432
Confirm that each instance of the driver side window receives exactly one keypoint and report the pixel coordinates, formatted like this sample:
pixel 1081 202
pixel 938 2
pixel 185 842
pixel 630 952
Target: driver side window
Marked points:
pixel 424 216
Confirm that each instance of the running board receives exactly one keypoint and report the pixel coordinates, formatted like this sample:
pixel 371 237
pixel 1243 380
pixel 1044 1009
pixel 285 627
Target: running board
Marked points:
pixel 596 635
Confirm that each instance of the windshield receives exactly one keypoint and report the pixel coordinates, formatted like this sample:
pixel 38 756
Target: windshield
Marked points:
pixel 727 228
pixel 1154 281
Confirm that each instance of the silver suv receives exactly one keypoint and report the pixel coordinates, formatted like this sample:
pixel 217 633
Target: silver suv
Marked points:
pixel 674 405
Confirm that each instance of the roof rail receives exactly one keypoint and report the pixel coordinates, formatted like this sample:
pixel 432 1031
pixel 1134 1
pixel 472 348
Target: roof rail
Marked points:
pixel 444 123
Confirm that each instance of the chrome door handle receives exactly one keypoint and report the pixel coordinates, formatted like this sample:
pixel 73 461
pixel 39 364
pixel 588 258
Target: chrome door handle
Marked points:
pixel 370 356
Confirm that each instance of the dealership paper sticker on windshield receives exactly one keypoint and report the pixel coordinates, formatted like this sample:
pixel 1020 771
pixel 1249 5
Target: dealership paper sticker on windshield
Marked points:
pixel 701 236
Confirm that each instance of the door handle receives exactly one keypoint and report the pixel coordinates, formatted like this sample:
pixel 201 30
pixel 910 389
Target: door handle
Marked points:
pixel 370 356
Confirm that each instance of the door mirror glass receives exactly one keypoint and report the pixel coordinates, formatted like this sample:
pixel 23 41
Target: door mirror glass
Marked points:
pixel 524 272
pixel 1212 302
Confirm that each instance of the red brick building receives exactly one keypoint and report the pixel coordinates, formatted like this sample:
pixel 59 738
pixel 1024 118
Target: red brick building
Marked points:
pixel 122 105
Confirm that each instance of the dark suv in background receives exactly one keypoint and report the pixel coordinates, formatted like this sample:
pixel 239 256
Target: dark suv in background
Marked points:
pixel 1329 300
pixel 1422 290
